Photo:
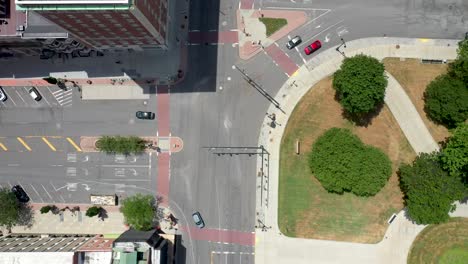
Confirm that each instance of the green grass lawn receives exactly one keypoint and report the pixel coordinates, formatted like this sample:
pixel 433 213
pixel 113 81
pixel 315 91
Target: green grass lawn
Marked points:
pixel 273 24
pixel 444 243
pixel 306 209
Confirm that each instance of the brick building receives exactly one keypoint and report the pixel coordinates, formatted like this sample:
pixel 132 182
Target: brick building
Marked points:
pixel 107 24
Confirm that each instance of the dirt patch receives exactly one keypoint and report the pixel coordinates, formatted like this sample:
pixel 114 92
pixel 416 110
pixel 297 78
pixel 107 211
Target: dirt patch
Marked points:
pixel 414 77
pixel 306 209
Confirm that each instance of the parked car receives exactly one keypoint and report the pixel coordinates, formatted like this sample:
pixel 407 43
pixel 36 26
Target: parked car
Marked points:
pixel 198 220
pixel 20 194
pixel 35 94
pixel 145 115
pixel 3 96
pixel 293 42
pixel 313 47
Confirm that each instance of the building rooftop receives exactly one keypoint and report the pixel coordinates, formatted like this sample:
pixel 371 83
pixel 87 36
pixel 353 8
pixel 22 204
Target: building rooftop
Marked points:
pixel 11 20
pixel 73 2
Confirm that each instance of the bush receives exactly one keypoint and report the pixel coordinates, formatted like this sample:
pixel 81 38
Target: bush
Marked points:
pixel 360 84
pixel 455 153
pixel 139 211
pixel 93 211
pixel 121 145
pixel 429 190
pixel 446 101
pixel 342 163
pixel 46 209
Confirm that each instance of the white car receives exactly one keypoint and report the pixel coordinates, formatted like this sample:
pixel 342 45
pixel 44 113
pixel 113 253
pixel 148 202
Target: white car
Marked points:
pixel 3 96
pixel 293 42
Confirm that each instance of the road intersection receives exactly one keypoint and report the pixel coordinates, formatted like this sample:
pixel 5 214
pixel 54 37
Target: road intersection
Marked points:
pixel 212 106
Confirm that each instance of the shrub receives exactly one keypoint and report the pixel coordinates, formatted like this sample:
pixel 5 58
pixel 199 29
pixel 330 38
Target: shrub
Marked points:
pixel 93 211
pixel 446 101
pixel 360 84
pixel 342 163
pixel 46 209
pixel 121 145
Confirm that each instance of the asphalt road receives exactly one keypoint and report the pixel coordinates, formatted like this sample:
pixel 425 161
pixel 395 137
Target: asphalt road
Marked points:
pixel 213 107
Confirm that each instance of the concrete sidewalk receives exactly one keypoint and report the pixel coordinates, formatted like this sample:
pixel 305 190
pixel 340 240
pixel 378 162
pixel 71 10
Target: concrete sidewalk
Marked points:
pixel 272 246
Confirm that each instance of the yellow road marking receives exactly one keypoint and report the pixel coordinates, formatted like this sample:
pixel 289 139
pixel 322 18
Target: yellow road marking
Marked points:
pixel 423 40
pixel 43 136
pixel 3 147
pixel 49 144
pixel 74 144
pixel 24 143
pixel 295 73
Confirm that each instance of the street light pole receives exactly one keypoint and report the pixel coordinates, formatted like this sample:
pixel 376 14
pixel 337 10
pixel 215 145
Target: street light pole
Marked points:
pixel 343 43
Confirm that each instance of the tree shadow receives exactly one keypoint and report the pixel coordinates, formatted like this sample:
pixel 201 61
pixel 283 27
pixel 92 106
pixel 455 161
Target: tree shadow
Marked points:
pixel 102 215
pixel 25 215
pixel 361 119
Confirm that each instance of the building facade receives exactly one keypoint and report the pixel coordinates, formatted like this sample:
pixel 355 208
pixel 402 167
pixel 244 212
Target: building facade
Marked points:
pixel 107 24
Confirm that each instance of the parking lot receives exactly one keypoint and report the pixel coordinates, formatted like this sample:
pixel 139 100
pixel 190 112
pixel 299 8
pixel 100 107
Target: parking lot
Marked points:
pixel 71 177
pixel 52 96
pixel 232 257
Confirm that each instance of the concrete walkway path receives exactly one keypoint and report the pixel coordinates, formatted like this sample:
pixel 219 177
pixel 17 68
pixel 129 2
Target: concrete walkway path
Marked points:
pixel 272 246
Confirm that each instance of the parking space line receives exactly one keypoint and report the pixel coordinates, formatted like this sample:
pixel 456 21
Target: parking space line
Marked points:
pixel 74 144
pixel 36 192
pixel 20 97
pixel 3 147
pixel 24 143
pixel 47 193
pixel 49 144
pixel 13 101
pixel 46 101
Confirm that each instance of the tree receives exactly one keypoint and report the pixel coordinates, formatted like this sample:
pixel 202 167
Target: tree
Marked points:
pixel 459 67
pixel 446 100
pixel 360 84
pixel 9 208
pixel 429 190
pixel 50 80
pixel 455 153
pixel 139 211
pixel 93 211
pixel 121 145
pixel 342 163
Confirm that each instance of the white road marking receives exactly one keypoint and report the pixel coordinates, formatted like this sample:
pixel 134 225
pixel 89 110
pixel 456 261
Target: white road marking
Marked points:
pixel 16 91
pixel 11 99
pixel 47 193
pixel 62 198
pixel 124 166
pixel 36 192
pixel 310 39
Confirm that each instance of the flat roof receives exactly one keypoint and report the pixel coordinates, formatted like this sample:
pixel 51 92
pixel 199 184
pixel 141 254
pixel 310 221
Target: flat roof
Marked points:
pixel 68 2
pixel 36 257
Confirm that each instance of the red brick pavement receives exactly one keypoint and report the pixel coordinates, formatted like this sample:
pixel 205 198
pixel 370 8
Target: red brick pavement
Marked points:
pixel 246 4
pixel 224 236
pixel 164 159
pixel 284 62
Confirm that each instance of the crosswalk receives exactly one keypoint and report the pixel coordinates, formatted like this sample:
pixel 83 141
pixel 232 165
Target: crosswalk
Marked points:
pixel 63 97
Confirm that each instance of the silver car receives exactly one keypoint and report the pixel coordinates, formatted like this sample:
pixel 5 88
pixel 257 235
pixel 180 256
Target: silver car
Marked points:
pixel 293 42
pixel 198 220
